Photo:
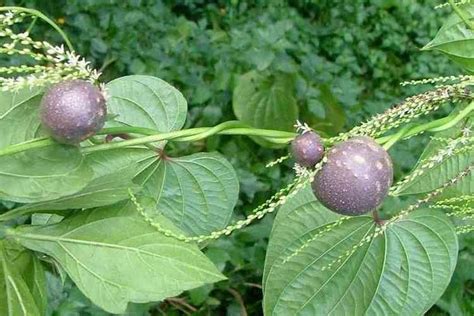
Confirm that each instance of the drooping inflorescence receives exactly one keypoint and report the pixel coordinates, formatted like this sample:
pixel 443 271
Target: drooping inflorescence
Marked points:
pixel 407 111
pixel 467 171
pixel 457 3
pixel 438 80
pixel 304 176
pixel 462 206
pixel 48 64
pixel 464 229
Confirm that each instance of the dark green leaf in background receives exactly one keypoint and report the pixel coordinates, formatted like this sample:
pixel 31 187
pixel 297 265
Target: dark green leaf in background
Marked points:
pixel 266 101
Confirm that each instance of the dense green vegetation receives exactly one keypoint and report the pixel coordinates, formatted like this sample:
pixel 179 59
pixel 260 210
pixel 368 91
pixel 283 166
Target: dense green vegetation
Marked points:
pixel 339 62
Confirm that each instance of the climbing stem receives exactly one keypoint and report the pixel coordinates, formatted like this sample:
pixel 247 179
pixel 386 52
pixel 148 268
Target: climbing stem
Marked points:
pixel 455 120
pixel 433 126
pixel 195 134
pixel 127 130
pixel 152 136
pixel 396 137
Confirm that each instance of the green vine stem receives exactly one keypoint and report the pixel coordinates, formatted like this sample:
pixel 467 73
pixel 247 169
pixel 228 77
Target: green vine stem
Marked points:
pixel 40 15
pixel 396 137
pixel 127 130
pixel 187 135
pixel 229 128
pixel 31 144
pixel 194 134
pixel 433 126
pixel 455 120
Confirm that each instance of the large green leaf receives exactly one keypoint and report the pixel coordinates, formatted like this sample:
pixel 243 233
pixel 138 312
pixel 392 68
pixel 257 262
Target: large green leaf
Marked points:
pixel 19 118
pixel 303 212
pixel 402 272
pixel 324 111
pixel 456 39
pixel 197 192
pixel 16 298
pixel 43 174
pixel 113 172
pixel 146 101
pixel 266 101
pixel 115 257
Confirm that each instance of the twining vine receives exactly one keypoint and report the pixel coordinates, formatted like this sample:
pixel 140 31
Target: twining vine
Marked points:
pixel 56 64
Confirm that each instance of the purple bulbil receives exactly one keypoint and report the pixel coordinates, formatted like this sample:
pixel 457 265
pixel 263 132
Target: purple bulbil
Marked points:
pixel 73 111
pixel 356 177
pixel 307 149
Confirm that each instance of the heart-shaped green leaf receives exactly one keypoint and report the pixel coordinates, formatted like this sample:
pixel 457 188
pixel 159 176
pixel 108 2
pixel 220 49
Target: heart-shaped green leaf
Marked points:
pixel 19 118
pixel 300 211
pixel 146 101
pixel 197 192
pixel 266 101
pixel 114 256
pixel 404 271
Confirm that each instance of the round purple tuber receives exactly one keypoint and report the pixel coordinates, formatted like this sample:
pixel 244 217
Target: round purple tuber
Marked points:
pixel 356 177
pixel 72 111
pixel 307 149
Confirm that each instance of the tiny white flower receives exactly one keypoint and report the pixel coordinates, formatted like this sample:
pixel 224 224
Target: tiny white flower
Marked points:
pixel 466 131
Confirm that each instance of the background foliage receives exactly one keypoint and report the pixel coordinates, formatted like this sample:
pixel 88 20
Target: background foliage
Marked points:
pixel 340 63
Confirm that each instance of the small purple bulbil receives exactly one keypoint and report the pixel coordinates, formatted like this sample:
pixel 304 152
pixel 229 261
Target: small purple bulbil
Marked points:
pixel 356 177
pixel 72 111
pixel 307 149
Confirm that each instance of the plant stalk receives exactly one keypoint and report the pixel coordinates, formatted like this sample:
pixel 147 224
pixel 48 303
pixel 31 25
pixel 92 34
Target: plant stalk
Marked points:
pixel 152 136
pixel 228 128
pixel 433 126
